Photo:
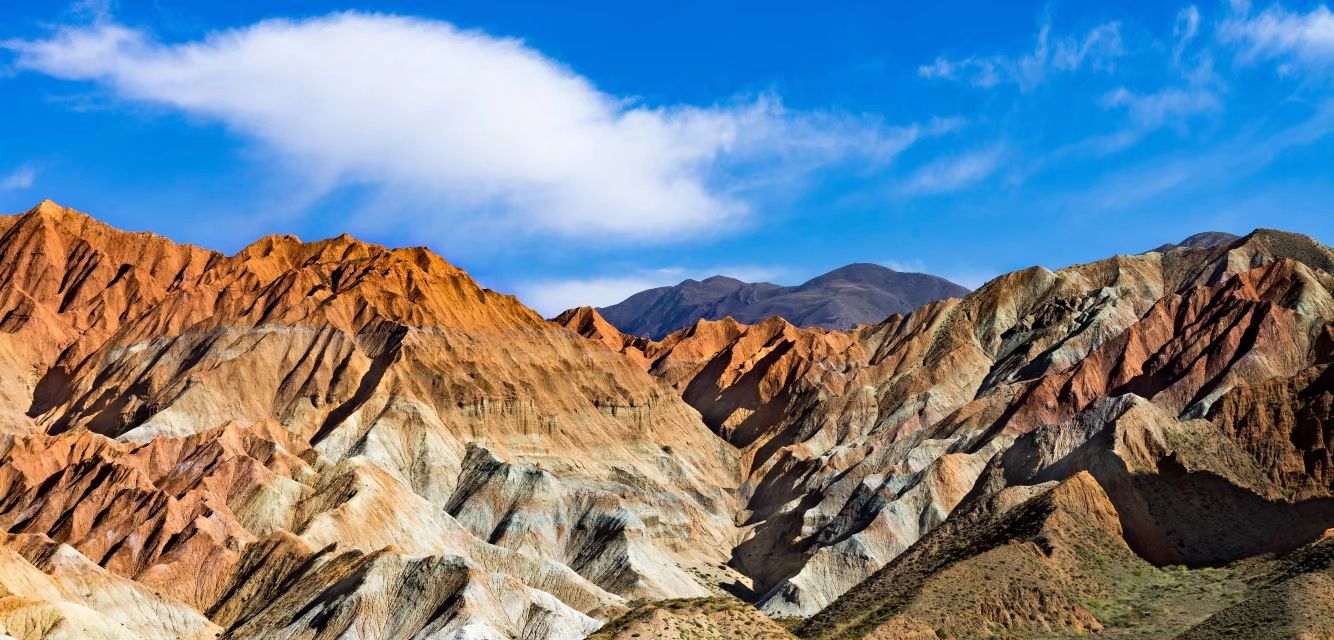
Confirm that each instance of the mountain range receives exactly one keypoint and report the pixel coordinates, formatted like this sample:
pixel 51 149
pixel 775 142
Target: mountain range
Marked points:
pixel 335 439
pixel 859 293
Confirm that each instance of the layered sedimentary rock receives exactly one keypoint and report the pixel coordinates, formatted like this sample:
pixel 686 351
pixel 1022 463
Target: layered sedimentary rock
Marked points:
pixel 1117 521
pixel 335 439
pixel 857 444
pixel 285 440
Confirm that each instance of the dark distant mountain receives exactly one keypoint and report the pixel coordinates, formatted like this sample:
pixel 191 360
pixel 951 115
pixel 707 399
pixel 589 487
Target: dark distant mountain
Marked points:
pixel 1201 240
pixel 856 294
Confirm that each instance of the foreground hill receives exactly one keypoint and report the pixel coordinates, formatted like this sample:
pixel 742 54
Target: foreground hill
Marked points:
pixel 841 299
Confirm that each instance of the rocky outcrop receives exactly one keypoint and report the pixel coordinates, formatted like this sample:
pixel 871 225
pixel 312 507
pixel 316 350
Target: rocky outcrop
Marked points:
pixel 50 590
pixel 67 282
pixel 1287 425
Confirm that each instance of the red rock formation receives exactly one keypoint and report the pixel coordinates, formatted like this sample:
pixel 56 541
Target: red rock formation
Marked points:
pixel 284 441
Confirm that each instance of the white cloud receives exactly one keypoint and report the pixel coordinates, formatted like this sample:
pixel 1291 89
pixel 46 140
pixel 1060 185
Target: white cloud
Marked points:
pixel 1097 49
pixel 1185 29
pixel 20 178
pixel 970 277
pixel 92 9
pixel 980 72
pixel 1196 94
pixel 1153 110
pixel 485 131
pixel 1194 174
pixel 1279 34
pixel 550 297
pixel 954 173
pixel 911 265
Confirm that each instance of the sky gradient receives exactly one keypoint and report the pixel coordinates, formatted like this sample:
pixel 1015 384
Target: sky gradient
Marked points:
pixel 576 152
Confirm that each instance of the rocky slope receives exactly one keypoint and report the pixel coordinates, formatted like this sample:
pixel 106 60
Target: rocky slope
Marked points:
pixel 856 294
pixel 280 442
pixel 1037 557
pixel 856 445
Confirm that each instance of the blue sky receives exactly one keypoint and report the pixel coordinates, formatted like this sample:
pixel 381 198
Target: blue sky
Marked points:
pixel 576 152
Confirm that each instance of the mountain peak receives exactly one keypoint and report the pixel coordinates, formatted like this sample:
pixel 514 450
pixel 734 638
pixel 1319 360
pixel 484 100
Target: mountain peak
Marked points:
pixel 717 279
pixel 858 293
pixel 47 207
pixel 51 210
pixel 583 319
pixel 1200 240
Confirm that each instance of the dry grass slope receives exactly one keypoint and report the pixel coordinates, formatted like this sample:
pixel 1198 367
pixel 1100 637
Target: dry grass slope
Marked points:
pixel 721 618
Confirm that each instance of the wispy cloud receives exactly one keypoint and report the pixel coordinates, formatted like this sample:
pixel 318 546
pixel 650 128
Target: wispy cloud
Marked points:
pixel 971 278
pixel 967 276
pixel 1159 108
pixel 1097 49
pixel 955 172
pixel 1186 173
pixel 910 265
pixel 1170 107
pixel 471 130
pixel 1195 91
pixel 1278 34
pixel 1185 29
pixel 20 178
